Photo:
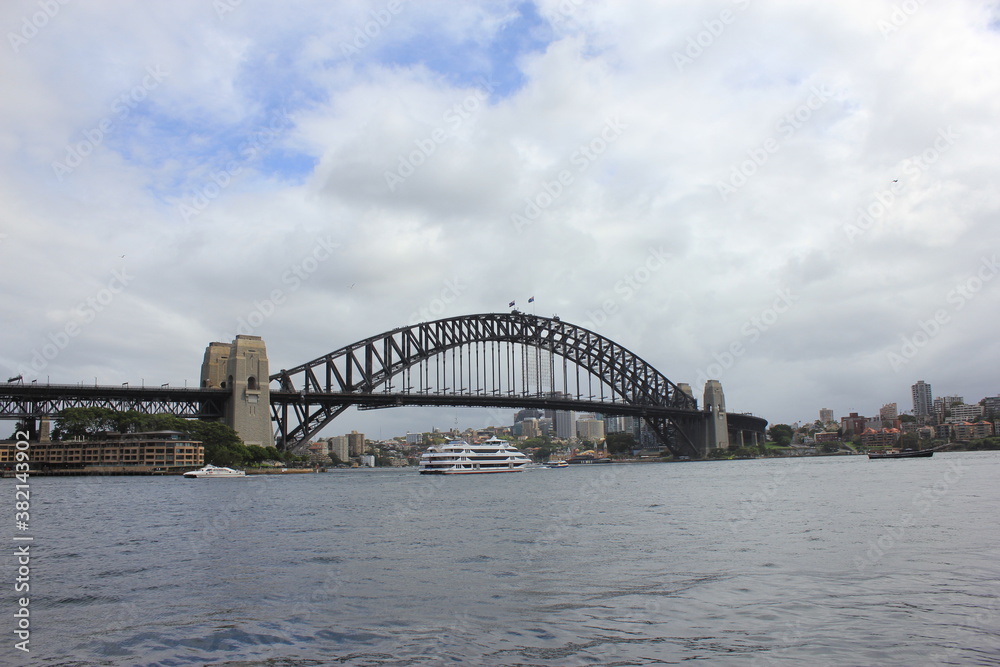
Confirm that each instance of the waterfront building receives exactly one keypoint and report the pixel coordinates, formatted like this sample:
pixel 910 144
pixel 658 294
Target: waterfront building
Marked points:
pixel 922 398
pixel 164 451
pixel 943 431
pixel 972 431
pixel 962 430
pixel 886 437
pixel 982 429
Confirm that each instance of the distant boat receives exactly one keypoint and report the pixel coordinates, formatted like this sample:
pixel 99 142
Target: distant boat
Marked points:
pixel 211 472
pixel 460 458
pixel 905 454
pixel 587 458
pixel 557 464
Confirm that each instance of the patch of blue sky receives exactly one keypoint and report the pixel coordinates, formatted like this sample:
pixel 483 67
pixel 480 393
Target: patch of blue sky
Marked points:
pixel 184 150
pixel 288 166
pixel 473 63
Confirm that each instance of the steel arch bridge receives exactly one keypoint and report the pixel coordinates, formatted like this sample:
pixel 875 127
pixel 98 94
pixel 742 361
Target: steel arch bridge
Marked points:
pixel 503 360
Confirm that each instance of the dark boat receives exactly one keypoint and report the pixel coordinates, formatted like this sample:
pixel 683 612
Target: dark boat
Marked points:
pixel 586 458
pixel 905 454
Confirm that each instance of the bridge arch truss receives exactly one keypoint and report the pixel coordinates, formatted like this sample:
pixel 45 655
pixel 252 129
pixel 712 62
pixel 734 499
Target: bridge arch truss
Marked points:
pixel 488 360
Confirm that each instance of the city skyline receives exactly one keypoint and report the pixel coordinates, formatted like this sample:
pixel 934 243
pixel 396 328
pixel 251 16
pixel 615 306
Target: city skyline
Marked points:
pixel 810 222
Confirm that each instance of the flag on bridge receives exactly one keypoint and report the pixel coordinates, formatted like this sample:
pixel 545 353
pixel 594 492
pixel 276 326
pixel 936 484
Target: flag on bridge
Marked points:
pixel 531 300
pixel 511 304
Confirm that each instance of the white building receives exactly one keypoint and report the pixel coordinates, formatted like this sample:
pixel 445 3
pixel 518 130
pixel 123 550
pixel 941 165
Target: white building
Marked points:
pixel 965 413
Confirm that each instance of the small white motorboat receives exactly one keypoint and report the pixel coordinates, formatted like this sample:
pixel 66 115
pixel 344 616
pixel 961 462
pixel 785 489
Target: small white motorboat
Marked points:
pixel 211 471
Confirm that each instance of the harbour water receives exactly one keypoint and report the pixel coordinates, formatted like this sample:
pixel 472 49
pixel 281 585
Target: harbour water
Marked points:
pixel 819 561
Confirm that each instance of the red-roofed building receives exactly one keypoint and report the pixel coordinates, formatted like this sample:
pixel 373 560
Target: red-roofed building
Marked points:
pixel 853 424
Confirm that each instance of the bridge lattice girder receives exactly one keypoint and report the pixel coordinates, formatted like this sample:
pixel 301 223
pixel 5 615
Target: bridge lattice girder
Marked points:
pixel 30 401
pixel 361 368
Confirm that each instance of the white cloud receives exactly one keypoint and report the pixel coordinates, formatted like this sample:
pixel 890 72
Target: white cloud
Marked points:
pixel 886 98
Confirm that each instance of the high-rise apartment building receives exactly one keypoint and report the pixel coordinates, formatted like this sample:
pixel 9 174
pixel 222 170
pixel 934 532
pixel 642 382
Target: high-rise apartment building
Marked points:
pixel 826 415
pixel 565 422
pixel 338 446
pixel 355 443
pixel 923 401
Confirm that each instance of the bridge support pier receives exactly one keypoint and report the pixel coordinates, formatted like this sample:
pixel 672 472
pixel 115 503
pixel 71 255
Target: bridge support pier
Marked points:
pixel 711 432
pixel 241 367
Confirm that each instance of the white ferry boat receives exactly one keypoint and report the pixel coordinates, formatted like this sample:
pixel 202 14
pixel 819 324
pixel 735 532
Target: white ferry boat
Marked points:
pixel 460 458
pixel 211 471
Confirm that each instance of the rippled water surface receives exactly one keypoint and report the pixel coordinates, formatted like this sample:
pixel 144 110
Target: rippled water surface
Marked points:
pixel 822 561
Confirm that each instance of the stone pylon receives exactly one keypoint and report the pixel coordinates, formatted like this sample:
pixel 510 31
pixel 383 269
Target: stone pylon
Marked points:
pixel 242 368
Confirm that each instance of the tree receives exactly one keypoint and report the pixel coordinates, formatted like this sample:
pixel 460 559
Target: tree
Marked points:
pixel 86 422
pixel 781 434
pixel 620 443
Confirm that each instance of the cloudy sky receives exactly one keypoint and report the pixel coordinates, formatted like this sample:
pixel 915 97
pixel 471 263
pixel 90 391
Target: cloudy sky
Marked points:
pixel 797 199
